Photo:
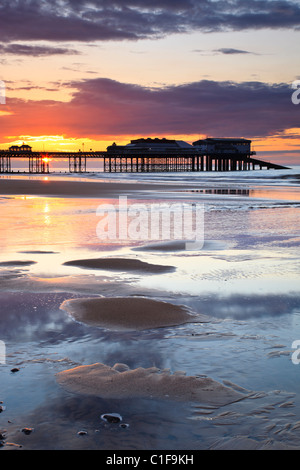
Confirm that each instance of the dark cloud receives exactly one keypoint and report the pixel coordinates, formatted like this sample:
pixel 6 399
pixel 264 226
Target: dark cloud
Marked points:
pixel 34 50
pixel 103 107
pixel 223 50
pixel 31 88
pixel 90 20
pixel 229 51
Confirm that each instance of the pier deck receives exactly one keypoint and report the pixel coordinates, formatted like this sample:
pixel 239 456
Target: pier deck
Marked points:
pixel 137 162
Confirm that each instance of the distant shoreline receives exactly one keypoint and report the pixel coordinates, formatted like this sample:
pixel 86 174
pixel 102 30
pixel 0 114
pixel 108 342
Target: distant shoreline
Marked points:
pixel 73 188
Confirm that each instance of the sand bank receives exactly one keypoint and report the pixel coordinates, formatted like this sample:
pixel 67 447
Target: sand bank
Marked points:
pixel 120 264
pixel 173 245
pixel 77 188
pixel 16 263
pixel 129 313
pixel 181 245
pixel 122 382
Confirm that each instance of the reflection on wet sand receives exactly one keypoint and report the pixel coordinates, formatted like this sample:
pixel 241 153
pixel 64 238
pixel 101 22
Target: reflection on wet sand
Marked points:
pixel 285 194
pixel 41 316
pixel 244 282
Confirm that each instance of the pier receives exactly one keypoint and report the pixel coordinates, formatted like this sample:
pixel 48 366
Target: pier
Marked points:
pixel 148 155
pixel 179 163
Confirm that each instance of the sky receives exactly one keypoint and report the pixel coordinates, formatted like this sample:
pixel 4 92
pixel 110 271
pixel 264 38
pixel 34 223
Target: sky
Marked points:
pixel 82 74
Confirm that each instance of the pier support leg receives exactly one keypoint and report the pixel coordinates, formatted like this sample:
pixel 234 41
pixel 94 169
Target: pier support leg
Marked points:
pixel 5 164
pixel 77 164
pixel 37 164
pixel 201 163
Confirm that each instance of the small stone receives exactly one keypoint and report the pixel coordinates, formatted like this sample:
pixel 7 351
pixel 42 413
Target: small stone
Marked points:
pixel 82 433
pixel 111 417
pixel 15 369
pixel 124 425
pixel 27 430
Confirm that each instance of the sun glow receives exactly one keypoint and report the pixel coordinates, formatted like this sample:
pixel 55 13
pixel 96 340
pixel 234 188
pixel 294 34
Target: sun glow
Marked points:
pixel 283 147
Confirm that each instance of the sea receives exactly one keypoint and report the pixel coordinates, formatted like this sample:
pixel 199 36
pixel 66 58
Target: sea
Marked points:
pixel 243 275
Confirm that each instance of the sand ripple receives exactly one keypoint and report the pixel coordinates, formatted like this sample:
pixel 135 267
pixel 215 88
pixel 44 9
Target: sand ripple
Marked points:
pixel 129 313
pixel 122 382
pixel 120 264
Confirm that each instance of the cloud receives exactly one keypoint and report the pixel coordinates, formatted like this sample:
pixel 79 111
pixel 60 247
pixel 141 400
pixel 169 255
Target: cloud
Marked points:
pixel 101 107
pixel 105 20
pixel 223 50
pixel 34 50
pixel 30 88
pixel 229 51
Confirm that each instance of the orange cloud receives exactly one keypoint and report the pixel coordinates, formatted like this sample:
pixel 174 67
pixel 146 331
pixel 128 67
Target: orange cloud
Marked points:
pixel 103 110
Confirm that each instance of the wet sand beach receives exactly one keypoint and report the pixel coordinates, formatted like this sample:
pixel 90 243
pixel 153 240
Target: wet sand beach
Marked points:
pixel 190 349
